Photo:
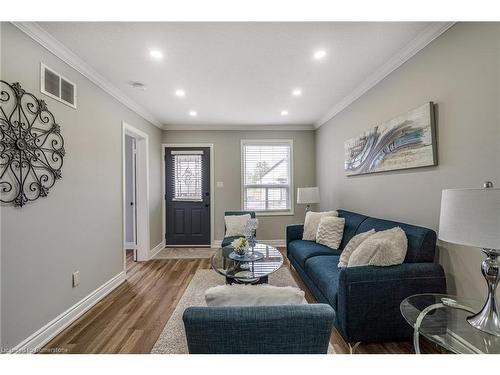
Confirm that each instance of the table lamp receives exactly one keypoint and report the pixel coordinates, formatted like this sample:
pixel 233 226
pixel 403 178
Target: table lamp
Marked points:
pixel 307 195
pixel 471 217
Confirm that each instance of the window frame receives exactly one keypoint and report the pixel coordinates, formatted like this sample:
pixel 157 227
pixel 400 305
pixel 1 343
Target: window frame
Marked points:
pixel 291 189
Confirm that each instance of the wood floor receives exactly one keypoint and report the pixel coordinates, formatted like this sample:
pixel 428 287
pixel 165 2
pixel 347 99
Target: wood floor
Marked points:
pixel 130 319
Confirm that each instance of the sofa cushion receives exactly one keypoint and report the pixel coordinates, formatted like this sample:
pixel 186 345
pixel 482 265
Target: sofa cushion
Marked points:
pixel 302 250
pixel 421 241
pixel 353 245
pixel 235 224
pixel 385 248
pixel 352 223
pixel 324 272
pixel 330 231
pixel 311 223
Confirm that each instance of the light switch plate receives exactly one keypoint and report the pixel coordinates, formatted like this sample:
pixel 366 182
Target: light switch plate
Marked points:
pixel 220 184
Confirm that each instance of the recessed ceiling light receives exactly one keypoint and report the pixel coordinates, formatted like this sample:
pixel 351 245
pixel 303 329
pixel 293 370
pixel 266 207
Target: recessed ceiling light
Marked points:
pixel 284 112
pixel 156 54
pixel 318 55
pixel 180 93
pixel 193 113
pixel 296 92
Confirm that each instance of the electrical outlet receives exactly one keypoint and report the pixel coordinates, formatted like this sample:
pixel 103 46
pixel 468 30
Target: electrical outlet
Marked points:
pixel 76 279
pixel 220 184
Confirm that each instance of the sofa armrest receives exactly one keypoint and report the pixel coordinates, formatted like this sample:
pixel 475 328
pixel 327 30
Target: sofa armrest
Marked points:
pixel 293 232
pixel 369 298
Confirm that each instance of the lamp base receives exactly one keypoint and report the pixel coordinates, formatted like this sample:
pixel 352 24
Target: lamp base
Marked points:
pixel 487 320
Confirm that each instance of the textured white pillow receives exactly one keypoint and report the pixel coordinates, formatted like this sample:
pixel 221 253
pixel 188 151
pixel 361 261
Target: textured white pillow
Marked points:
pixel 311 223
pixel 253 295
pixel 385 248
pixel 330 231
pixel 353 245
pixel 235 224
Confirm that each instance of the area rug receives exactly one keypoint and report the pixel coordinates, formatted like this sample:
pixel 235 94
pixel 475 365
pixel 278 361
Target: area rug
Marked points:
pixel 185 253
pixel 172 340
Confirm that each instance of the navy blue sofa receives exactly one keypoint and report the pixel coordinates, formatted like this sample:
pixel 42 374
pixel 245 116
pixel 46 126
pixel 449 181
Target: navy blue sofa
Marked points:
pixel 281 329
pixel 227 240
pixel 366 299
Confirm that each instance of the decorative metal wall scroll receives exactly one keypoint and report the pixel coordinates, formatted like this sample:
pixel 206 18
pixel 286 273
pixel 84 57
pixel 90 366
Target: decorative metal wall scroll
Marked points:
pixel 31 146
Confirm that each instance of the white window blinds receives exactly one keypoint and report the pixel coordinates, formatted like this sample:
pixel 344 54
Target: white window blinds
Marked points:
pixel 266 175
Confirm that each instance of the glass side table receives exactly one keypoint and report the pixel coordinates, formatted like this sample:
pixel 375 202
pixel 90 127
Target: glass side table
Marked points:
pixel 247 272
pixel 441 319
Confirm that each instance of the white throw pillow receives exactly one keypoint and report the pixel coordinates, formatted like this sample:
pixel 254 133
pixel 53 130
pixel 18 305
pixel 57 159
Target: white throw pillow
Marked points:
pixel 385 248
pixel 253 295
pixel 353 245
pixel 235 224
pixel 330 231
pixel 311 223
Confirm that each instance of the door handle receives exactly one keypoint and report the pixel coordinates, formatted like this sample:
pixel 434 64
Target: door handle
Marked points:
pixel 131 203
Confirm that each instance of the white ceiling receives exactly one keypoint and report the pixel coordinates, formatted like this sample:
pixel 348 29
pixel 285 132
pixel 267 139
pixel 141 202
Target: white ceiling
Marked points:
pixel 238 73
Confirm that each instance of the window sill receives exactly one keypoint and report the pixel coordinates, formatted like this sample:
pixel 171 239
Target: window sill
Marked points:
pixel 274 213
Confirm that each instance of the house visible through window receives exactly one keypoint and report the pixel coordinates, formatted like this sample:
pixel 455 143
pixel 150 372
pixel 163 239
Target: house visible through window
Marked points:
pixel 267 177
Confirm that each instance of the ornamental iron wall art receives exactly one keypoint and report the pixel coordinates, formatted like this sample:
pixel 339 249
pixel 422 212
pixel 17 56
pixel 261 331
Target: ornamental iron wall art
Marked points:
pixel 31 146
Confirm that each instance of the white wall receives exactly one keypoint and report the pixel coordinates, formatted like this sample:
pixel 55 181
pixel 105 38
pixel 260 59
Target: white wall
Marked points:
pixel 79 226
pixel 460 72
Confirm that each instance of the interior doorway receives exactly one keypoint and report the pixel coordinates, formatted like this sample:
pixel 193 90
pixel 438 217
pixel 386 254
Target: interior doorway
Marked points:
pixel 135 148
pixel 130 197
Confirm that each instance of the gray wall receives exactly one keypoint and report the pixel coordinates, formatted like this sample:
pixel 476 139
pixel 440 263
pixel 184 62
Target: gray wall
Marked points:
pixel 79 225
pixel 460 72
pixel 227 151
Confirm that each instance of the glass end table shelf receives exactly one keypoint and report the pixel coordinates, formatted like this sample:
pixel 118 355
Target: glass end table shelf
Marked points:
pixel 441 319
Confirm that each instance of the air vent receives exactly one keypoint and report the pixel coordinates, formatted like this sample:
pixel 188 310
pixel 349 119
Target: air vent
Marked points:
pixel 57 87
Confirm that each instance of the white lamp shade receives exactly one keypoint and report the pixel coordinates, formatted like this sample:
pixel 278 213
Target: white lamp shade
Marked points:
pixel 308 195
pixel 471 217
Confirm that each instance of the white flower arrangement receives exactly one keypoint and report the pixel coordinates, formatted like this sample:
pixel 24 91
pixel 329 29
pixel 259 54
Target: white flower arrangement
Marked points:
pixel 240 245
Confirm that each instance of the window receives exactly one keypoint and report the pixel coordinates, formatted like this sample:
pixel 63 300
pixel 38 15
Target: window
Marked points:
pixel 267 176
pixel 187 175
pixel 57 87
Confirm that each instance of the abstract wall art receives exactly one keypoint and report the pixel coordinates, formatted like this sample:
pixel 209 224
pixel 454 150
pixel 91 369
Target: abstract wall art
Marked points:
pixel 407 141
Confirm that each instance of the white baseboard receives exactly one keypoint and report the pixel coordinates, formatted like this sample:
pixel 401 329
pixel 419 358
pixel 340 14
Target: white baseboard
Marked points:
pixel 41 337
pixel 155 250
pixel 275 243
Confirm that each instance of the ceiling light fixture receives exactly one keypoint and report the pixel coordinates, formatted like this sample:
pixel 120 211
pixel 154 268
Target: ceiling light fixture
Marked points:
pixel 180 93
pixel 284 112
pixel 193 113
pixel 318 55
pixel 297 92
pixel 156 54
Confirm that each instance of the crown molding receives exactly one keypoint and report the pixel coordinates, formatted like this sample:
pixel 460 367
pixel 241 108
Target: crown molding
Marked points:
pixel 427 35
pixel 277 127
pixel 46 40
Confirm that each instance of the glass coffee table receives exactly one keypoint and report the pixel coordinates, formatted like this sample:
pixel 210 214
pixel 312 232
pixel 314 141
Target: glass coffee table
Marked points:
pixel 441 319
pixel 247 272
